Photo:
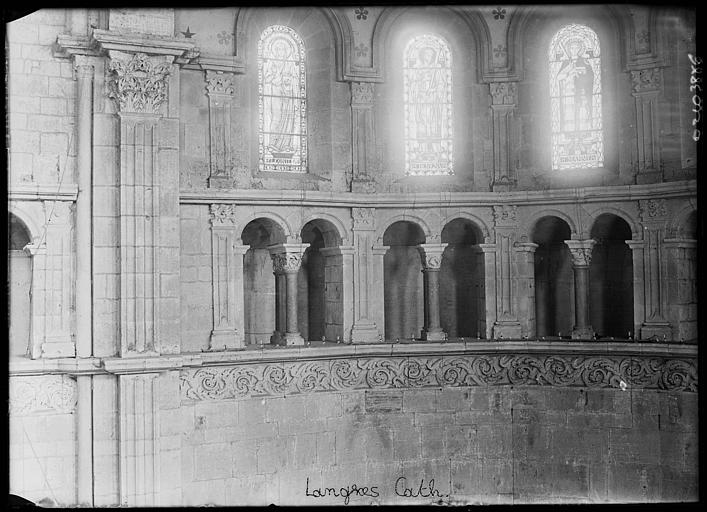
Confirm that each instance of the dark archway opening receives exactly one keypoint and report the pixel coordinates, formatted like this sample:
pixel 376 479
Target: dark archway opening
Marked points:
pixel 19 276
pixel 403 284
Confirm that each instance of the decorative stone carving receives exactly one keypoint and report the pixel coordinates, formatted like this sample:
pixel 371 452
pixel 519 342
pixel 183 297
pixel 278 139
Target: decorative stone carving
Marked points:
pixel 363 218
pixel 503 93
pixel 218 82
pixel 581 251
pixel 223 214
pixel 652 210
pixel 645 80
pixel 286 262
pixel 505 215
pixel 277 379
pixel 42 393
pixel 362 92
pixel 139 83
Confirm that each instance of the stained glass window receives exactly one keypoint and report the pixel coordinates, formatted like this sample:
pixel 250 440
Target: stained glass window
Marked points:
pixel 427 74
pixel 575 99
pixel 282 101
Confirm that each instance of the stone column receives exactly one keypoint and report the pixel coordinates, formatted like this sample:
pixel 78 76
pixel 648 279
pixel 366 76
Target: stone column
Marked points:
pixel 431 262
pixel 488 252
pixel 362 136
pixel 365 328
pixel 654 215
pixel 646 90
pixel 525 253
pixel 506 225
pixel 84 249
pixel 219 86
pixel 504 98
pixel 139 86
pixel 341 297
pixel 377 288
pixel 581 251
pixel 139 440
pixel 84 440
pixel 682 288
pixel 287 259
pixel 227 280
pixel 38 252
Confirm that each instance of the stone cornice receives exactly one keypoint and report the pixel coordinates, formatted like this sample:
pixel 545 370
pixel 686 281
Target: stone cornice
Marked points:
pixel 676 189
pixel 42 192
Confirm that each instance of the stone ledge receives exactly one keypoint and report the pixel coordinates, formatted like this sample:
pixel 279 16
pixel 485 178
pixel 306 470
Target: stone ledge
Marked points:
pixel 666 190
pixel 42 192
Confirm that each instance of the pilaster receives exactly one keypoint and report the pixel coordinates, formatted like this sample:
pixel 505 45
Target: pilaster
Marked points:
pixel 506 324
pixel 220 88
pixel 504 98
pixel 366 276
pixel 525 257
pixel 647 84
pixel 363 136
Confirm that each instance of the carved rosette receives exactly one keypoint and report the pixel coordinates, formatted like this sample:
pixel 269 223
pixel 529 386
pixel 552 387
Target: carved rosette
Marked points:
pixel 286 262
pixel 653 210
pixel 466 370
pixel 218 82
pixel 581 251
pixel 362 93
pixel 222 214
pixel 42 393
pixel 503 93
pixel 138 83
pixel 505 215
pixel 646 80
pixel 364 218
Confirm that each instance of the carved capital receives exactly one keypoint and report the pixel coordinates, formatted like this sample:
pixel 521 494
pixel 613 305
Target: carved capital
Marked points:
pixel 138 83
pixel 218 82
pixel 503 93
pixel 431 255
pixel 581 251
pixel 505 215
pixel 364 218
pixel 222 214
pixel 645 80
pixel 362 93
pixel 652 210
pixel 286 263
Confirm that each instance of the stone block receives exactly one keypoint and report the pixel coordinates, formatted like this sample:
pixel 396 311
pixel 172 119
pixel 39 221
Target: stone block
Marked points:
pixel 170 470
pixel 419 400
pixel 350 446
pixel 275 455
pixel 60 87
pixel 209 493
pixel 634 446
pixel 250 490
pixel 54 143
pixel 325 405
pixel 22 141
pixel 326 448
pixel 633 482
pixel 223 413
pixel 212 461
pixel 28 85
pixel 245 460
pixel 289 408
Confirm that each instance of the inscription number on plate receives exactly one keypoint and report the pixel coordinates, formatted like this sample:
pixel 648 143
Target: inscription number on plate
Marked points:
pixel 384 401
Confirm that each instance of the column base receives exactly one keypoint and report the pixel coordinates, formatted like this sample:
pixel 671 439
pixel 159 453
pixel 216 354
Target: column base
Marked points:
pixel 658 329
pixel 582 333
pixel 277 338
pixel 648 176
pixel 220 181
pixel 56 349
pixel 508 330
pixel 293 338
pixel 365 332
pixel 225 340
pixel 433 335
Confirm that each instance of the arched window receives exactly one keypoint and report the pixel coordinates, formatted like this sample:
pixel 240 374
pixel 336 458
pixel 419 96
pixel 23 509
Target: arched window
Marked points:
pixel 282 101
pixel 427 72
pixel 575 99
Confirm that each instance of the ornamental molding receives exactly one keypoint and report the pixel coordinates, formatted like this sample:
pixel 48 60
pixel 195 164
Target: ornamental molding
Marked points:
pixel 138 83
pixel 581 251
pixel 218 82
pixel 362 93
pixel 278 379
pixel 286 262
pixel 364 218
pixel 42 393
pixel 222 214
pixel 505 215
pixel 503 93
pixel 653 210
pixel 645 80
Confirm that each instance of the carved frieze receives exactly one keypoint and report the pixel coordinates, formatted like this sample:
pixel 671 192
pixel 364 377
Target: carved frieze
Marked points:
pixel 218 82
pixel 277 379
pixel 42 393
pixel 138 82
pixel 503 93
pixel 223 214
pixel 645 80
pixel 364 218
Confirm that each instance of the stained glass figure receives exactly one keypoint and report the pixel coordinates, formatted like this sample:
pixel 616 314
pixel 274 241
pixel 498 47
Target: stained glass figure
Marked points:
pixel 282 101
pixel 427 72
pixel 575 98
